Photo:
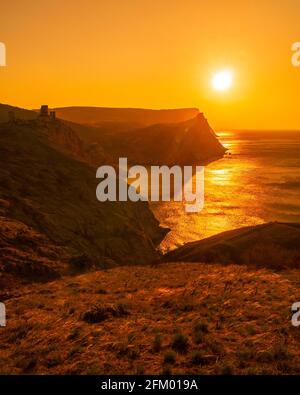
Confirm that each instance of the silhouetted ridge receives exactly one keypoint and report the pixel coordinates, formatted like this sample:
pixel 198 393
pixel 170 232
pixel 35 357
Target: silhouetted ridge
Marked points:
pixel 46 185
pixel 134 116
pixel 188 142
pixel 19 113
pixel 275 245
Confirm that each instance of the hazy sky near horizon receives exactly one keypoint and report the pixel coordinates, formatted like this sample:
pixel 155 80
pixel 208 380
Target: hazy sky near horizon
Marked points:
pixel 155 54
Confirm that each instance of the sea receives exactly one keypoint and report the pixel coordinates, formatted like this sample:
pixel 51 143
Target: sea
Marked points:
pixel 257 181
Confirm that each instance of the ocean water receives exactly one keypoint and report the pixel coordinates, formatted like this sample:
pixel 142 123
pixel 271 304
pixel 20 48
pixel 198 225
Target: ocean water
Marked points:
pixel 256 182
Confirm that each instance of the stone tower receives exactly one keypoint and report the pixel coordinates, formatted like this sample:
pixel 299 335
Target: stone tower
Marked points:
pixel 44 111
pixel 52 115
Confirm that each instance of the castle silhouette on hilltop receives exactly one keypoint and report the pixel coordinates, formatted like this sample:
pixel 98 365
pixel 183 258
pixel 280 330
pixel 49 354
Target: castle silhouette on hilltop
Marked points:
pixel 44 113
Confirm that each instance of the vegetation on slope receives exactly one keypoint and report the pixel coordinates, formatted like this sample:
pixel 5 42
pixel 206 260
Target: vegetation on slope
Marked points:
pixel 46 185
pixel 173 318
pixel 20 113
pixel 275 245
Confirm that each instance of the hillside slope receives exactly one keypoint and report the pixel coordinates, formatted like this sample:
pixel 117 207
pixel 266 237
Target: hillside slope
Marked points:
pixel 27 256
pixel 46 185
pixel 174 318
pixel 184 135
pixel 275 245
pixel 183 143
pixel 20 113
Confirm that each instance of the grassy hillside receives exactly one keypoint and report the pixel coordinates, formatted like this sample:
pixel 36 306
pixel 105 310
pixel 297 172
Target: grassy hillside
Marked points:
pixel 44 186
pixel 20 113
pixel 275 245
pixel 27 255
pixel 174 318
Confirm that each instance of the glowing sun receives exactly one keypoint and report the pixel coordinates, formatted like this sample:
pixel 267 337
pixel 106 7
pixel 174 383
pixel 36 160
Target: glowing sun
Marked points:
pixel 222 80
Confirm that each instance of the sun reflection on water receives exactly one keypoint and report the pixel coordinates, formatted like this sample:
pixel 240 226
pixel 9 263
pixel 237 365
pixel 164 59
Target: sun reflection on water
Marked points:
pixel 244 188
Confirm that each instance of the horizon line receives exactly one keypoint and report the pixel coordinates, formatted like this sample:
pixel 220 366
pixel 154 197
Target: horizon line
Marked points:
pixel 162 109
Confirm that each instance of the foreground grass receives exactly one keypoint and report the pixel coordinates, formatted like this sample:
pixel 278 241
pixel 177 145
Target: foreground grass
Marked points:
pixel 173 318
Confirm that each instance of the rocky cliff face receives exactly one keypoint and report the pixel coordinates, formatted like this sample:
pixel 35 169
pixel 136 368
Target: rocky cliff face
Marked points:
pixel 46 185
pixel 184 143
pixel 198 143
pixel 105 134
pixel 54 223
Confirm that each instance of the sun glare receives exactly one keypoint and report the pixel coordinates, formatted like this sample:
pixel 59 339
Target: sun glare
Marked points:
pixel 222 80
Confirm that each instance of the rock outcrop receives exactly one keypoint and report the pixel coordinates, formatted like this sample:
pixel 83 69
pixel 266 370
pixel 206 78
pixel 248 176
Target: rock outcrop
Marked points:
pixel 183 143
pixel 47 185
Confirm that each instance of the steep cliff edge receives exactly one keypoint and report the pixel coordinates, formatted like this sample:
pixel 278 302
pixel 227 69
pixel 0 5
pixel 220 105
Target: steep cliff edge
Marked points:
pixel 189 142
pixel 184 143
pixel 45 184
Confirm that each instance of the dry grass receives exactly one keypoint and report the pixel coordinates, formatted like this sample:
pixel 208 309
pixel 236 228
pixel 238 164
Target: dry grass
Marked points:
pixel 174 318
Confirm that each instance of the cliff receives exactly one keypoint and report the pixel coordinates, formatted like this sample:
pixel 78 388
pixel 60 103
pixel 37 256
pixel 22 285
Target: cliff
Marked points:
pixel 46 185
pixel 189 142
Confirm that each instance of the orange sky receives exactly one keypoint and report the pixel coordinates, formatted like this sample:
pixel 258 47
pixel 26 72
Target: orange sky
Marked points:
pixel 155 54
